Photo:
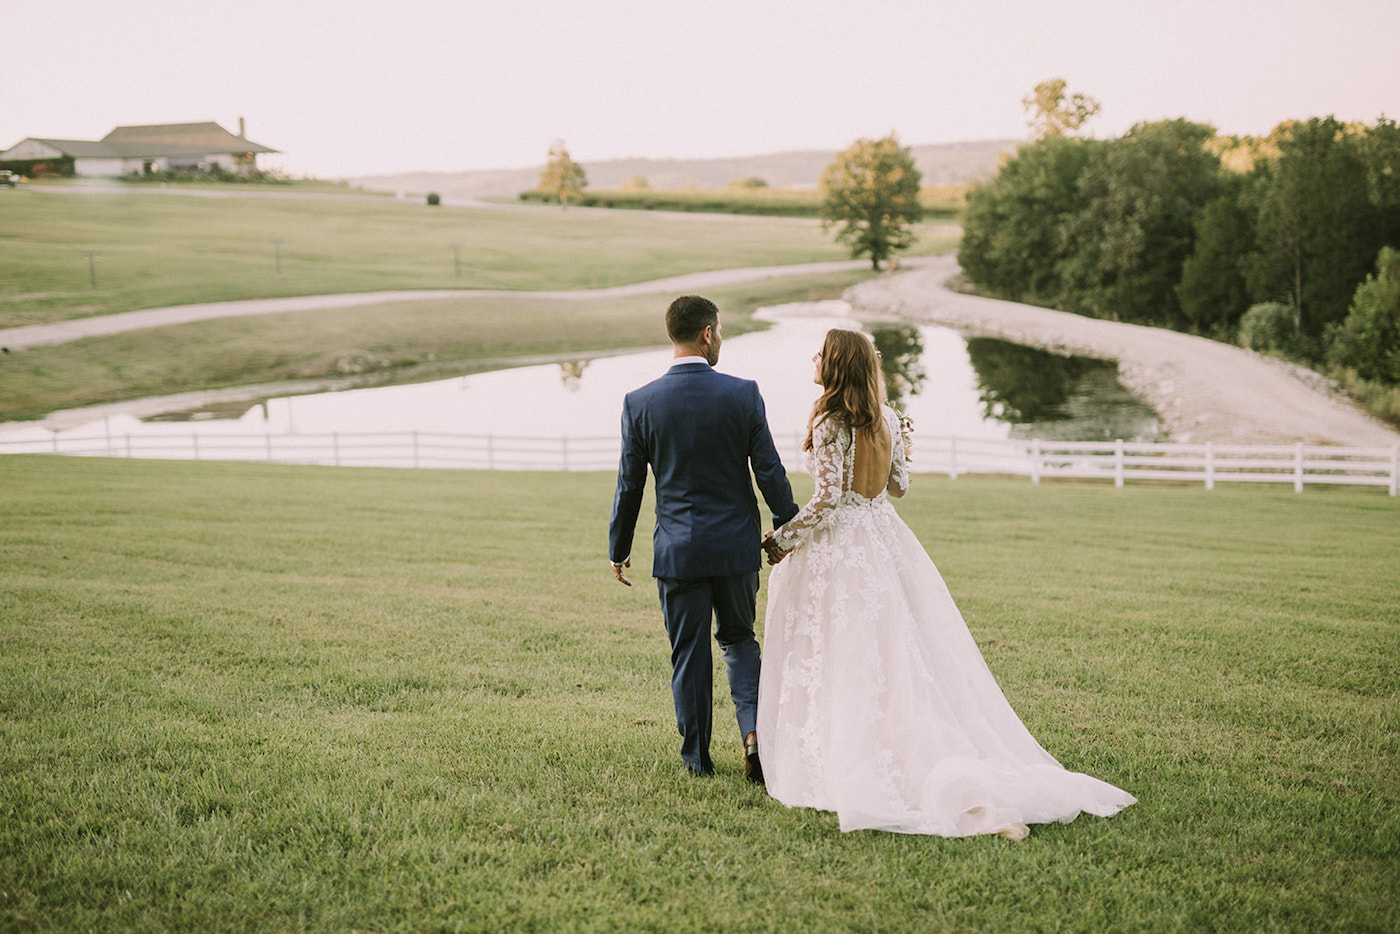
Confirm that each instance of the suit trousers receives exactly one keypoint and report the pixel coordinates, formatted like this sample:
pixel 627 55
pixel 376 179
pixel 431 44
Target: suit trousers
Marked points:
pixel 688 606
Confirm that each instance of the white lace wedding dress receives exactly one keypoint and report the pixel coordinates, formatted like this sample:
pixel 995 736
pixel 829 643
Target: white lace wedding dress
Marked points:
pixel 874 701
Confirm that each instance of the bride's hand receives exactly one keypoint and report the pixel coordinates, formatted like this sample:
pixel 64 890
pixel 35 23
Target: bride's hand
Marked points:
pixel 771 549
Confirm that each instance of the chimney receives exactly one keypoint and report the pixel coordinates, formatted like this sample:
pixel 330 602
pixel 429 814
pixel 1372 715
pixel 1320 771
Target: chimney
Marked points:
pixel 242 133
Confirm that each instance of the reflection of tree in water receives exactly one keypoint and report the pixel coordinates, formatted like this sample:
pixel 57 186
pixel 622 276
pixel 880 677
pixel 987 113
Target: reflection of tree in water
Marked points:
pixel 1022 384
pixel 1046 396
pixel 572 373
pixel 900 348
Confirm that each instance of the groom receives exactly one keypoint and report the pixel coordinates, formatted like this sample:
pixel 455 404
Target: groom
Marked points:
pixel 701 432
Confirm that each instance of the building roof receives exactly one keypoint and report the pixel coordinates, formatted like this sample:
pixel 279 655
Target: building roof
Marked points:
pixel 164 139
pixel 190 137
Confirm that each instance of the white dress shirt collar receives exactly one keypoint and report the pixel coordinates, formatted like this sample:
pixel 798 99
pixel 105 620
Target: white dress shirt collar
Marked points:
pixel 691 359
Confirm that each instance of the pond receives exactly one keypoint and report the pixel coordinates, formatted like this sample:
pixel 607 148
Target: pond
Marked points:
pixel 949 385
pixel 566 415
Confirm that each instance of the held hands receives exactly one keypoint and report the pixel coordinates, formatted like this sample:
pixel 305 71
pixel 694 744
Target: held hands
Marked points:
pixel 774 552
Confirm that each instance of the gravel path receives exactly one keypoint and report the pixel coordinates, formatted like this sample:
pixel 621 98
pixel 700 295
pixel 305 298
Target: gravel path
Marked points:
pixel 43 335
pixel 1203 390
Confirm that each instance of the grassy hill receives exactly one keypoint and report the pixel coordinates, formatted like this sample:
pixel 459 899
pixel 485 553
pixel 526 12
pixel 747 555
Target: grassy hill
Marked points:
pixel 941 164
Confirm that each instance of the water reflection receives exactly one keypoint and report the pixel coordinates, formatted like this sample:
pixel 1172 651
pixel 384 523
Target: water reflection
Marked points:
pixel 1045 395
pixel 901 348
pixel 949 386
pixel 571 374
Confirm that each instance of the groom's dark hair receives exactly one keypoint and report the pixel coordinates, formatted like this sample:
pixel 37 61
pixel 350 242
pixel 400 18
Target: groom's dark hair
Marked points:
pixel 687 317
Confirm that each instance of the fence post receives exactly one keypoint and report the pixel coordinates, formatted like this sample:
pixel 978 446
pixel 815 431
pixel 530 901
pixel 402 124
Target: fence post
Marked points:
pixel 1035 460
pixel 1210 465
pixel 490 452
pixel 128 448
pixel 1298 467
pixel 953 458
pixel 268 439
pixel 1395 470
pixel 335 447
pixel 195 437
pixel 415 449
pixel 1118 462
pixel 55 442
pixel 564 450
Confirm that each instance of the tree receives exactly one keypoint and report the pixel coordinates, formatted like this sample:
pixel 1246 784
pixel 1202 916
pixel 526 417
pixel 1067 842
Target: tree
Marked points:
pixel 1140 196
pixel 872 190
pixel 1368 340
pixel 1212 292
pixel 1012 242
pixel 562 176
pixel 1380 151
pixel 1051 114
pixel 1318 229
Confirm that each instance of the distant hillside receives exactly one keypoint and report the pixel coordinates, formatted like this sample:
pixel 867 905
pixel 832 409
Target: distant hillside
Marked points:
pixel 945 163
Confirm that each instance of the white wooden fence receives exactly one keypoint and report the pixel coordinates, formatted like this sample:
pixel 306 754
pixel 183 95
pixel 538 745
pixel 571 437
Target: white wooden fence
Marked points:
pixel 1298 465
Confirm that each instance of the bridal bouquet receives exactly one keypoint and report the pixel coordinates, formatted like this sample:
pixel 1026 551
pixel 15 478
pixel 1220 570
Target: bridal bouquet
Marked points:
pixel 906 433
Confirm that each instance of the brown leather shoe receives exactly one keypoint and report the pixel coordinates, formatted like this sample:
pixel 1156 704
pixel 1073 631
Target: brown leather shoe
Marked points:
pixel 753 768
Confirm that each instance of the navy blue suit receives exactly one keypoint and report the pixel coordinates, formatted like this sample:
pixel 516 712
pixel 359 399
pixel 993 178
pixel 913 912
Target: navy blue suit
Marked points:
pixel 702 433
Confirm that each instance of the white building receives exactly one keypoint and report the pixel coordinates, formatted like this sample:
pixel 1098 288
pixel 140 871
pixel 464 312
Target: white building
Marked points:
pixel 139 150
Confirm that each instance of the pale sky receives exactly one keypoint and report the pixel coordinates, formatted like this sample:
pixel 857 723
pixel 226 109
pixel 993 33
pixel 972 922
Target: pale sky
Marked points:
pixel 348 89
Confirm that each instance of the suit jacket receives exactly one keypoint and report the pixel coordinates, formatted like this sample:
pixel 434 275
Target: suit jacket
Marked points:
pixel 700 431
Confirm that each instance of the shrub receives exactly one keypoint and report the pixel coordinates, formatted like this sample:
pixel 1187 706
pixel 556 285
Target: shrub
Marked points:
pixel 1269 327
pixel 1368 340
pixel 433 199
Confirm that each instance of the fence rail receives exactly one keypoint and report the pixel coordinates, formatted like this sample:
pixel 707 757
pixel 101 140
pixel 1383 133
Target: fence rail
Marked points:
pixel 1299 465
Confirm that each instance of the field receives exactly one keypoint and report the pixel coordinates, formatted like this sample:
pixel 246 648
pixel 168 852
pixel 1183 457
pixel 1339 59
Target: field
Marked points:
pixel 157 250
pixel 261 698
pixel 940 202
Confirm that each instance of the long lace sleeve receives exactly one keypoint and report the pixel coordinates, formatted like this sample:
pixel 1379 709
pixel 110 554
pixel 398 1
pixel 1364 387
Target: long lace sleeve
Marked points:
pixel 900 429
pixel 828 457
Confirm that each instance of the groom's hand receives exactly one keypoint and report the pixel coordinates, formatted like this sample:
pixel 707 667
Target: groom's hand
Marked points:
pixel 617 571
pixel 774 553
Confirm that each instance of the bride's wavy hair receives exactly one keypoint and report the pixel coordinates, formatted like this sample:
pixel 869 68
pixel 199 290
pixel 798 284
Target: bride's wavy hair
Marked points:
pixel 853 387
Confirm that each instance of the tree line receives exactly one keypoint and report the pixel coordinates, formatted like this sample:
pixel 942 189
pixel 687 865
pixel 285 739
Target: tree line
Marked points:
pixel 1285 243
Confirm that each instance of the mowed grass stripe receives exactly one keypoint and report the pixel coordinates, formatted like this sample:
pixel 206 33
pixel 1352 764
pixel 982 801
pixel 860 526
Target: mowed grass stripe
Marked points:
pixel 240 697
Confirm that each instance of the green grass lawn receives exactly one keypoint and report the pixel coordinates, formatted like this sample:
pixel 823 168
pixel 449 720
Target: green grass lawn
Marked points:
pixel 159 250
pixel 261 698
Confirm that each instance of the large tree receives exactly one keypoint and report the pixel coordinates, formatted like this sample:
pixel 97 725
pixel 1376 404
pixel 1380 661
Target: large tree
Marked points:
pixel 1140 196
pixel 1213 292
pixel 872 191
pixel 1013 241
pixel 1318 230
pixel 562 176
pixel 1053 114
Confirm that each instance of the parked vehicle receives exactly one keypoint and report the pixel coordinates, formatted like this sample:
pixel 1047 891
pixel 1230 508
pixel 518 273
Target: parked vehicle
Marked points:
pixel 8 178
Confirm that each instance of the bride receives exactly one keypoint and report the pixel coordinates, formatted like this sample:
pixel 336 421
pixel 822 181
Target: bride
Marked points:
pixel 874 701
